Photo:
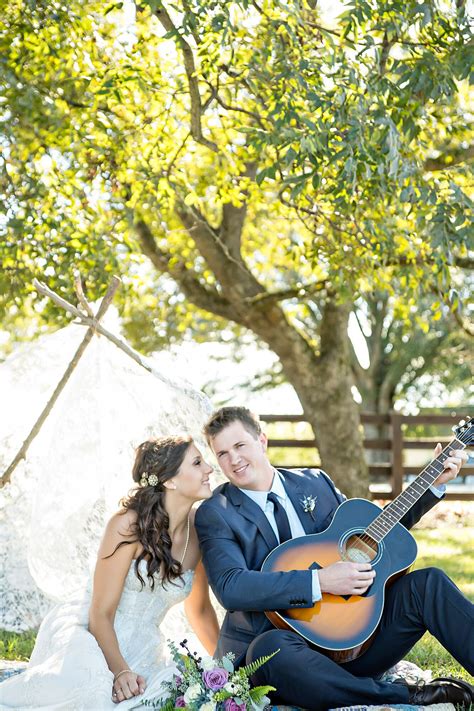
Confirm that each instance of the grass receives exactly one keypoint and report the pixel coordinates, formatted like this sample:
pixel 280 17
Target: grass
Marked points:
pixel 447 547
pixel 16 647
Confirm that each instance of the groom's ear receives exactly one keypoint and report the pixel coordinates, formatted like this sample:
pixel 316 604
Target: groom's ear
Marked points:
pixel 263 440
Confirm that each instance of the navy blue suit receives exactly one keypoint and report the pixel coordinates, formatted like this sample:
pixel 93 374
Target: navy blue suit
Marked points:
pixel 235 538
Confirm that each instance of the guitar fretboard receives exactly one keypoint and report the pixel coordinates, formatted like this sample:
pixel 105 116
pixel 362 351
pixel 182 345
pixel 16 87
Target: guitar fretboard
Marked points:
pixel 395 511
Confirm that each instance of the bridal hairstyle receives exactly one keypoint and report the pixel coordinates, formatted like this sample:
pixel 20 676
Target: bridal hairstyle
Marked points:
pixel 163 458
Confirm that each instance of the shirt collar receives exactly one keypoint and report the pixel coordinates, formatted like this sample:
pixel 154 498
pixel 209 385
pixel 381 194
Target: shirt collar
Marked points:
pixel 260 497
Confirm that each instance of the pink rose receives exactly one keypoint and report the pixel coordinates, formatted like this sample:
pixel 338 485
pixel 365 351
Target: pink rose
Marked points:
pixel 231 705
pixel 215 679
pixel 180 703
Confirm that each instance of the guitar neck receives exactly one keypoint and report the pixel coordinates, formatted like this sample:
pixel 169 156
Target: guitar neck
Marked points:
pixel 396 510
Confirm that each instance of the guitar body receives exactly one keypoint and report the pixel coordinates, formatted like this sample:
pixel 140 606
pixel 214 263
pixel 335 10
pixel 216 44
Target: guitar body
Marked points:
pixel 342 625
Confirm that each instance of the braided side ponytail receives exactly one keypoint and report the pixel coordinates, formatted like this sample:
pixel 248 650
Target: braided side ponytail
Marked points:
pixel 156 460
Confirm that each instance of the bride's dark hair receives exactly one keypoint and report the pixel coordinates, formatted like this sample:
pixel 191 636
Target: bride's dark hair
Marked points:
pixel 160 457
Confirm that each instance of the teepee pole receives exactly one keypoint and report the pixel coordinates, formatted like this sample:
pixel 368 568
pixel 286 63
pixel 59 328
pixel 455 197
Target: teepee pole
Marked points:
pixel 93 326
pixel 43 289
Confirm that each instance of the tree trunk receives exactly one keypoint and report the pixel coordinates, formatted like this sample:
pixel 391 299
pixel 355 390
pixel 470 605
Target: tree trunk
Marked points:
pixel 337 418
pixel 323 384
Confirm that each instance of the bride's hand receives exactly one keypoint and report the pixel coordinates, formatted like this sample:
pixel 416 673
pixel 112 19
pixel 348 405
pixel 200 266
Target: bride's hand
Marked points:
pixel 127 685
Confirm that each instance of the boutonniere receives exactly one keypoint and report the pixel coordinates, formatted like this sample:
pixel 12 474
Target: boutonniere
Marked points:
pixel 308 503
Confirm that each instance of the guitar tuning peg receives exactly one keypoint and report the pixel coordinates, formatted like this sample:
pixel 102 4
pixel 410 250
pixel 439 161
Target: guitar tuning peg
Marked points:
pixel 462 423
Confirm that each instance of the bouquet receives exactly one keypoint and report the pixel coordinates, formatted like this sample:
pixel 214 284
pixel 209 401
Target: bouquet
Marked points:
pixel 211 685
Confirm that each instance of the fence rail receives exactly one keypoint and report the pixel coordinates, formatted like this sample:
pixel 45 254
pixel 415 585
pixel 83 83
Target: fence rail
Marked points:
pixel 387 478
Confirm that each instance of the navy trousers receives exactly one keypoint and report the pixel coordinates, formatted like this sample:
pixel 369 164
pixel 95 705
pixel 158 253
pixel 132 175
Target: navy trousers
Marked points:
pixel 425 600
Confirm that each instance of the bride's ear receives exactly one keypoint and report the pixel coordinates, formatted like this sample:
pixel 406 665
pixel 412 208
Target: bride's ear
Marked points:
pixel 169 484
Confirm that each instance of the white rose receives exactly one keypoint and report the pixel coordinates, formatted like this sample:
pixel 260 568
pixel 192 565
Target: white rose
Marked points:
pixel 208 706
pixel 208 663
pixel 233 688
pixel 192 693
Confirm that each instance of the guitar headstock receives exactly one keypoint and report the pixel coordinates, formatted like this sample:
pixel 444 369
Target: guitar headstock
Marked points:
pixel 464 431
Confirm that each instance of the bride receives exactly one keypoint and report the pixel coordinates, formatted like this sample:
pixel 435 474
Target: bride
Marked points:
pixel 104 647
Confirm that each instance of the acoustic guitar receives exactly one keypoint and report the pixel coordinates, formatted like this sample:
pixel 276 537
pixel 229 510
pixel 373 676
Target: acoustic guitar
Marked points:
pixel 342 626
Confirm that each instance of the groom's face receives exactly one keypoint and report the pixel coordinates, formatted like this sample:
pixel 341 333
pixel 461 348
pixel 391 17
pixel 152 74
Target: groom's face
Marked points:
pixel 242 457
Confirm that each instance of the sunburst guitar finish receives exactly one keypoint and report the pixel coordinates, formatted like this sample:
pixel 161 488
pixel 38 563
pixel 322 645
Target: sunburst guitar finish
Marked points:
pixel 342 625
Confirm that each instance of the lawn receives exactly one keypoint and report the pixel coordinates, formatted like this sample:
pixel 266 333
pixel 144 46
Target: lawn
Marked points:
pixel 448 547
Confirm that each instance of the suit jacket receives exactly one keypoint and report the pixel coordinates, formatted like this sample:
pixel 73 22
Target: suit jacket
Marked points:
pixel 235 538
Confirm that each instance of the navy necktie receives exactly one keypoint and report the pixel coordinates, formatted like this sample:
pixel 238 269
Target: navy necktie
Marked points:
pixel 283 525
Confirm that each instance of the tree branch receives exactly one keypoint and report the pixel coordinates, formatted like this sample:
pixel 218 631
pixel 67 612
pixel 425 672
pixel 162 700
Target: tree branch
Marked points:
pixel 449 158
pixel 191 74
pixel 233 219
pixel 360 374
pixel 204 297
pixel 283 294
pixel 378 310
pixel 232 273
pixel 461 262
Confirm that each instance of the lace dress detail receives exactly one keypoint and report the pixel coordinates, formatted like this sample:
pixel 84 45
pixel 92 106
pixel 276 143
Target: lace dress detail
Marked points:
pixel 79 465
pixel 67 670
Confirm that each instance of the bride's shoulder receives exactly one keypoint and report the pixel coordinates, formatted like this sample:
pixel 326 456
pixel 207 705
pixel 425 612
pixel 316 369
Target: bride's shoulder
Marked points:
pixel 121 526
pixel 123 522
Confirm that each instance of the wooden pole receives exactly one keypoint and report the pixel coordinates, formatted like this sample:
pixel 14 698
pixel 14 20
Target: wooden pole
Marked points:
pixel 93 326
pixel 43 289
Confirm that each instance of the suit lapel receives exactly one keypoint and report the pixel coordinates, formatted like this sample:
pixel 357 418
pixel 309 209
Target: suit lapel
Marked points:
pixel 251 511
pixel 296 493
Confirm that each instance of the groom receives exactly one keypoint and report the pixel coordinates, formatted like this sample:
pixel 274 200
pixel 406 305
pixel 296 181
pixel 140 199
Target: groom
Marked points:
pixel 260 507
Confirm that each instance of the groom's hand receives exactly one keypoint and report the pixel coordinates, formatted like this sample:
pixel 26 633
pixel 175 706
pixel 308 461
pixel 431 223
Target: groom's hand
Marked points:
pixel 344 578
pixel 452 465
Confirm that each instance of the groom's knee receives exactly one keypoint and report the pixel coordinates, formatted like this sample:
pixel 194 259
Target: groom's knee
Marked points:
pixel 270 642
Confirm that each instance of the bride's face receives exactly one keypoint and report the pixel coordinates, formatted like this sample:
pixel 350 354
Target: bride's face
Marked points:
pixel 192 479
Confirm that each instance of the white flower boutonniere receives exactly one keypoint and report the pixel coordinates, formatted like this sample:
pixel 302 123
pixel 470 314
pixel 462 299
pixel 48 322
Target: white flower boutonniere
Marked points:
pixel 308 503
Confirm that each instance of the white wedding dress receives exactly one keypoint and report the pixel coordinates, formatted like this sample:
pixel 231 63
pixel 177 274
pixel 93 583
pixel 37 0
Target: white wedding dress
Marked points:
pixel 67 670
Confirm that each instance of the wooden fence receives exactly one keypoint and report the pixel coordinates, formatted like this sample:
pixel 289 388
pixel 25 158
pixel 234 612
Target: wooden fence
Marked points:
pixel 387 478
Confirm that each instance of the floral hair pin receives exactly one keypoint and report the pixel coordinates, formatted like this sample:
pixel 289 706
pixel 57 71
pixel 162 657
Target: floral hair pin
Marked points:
pixel 148 479
pixel 308 503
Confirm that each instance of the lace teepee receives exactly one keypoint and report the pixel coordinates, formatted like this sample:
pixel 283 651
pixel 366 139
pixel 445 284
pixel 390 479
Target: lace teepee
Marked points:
pixel 54 508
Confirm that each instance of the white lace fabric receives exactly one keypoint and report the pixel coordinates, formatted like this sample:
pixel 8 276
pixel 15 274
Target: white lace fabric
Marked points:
pixel 53 512
pixel 68 672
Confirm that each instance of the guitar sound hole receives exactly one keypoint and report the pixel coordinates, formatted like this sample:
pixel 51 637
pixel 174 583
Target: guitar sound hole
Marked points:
pixel 360 548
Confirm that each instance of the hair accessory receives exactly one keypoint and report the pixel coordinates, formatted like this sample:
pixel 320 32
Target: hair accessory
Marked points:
pixel 148 479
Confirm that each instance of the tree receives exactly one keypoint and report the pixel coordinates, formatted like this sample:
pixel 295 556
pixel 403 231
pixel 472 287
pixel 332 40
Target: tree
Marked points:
pixel 266 166
pixel 403 345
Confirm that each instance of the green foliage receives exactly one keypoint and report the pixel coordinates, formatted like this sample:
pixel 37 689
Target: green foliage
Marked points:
pixel 254 666
pixel 357 134
pixel 258 693
pixel 17 647
pixel 449 548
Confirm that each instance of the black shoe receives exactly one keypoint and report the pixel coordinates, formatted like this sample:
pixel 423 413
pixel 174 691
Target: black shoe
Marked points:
pixel 443 690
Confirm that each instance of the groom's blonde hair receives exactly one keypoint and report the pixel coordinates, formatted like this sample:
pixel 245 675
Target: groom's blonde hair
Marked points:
pixel 225 416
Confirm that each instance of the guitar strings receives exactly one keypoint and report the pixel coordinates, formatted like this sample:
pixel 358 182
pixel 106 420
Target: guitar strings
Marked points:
pixel 365 540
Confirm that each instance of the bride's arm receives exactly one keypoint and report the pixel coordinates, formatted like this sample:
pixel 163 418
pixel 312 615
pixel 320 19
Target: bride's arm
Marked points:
pixel 200 612
pixel 109 578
